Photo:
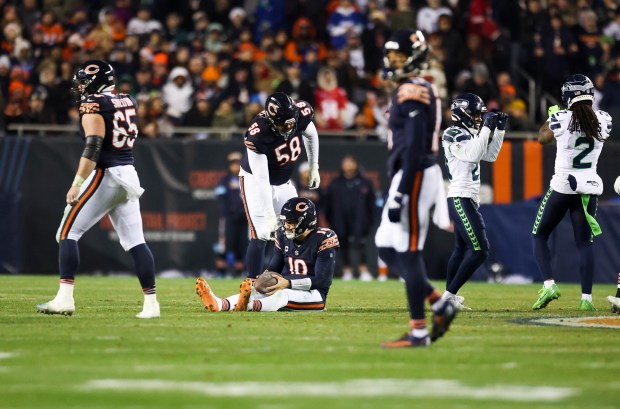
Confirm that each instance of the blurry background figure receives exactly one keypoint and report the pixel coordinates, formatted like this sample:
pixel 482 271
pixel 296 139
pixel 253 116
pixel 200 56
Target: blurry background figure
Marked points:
pixel 177 94
pixel 233 226
pixel 331 101
pixel 316 195
pixel 295 86
pixel 349 207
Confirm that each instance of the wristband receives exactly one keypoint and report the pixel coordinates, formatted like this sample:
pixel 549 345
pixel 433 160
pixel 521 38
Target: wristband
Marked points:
pixel 78 181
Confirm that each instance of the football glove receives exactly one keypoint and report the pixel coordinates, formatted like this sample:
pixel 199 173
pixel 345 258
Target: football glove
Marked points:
pixel 490 121
pixel 271 222
pixel 552 110
pixel 395 206
pixel 315 177
pixel 502 120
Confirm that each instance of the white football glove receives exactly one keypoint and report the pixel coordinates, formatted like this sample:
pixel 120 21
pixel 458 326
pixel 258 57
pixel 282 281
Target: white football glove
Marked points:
pixel 315 177
pixel 271 224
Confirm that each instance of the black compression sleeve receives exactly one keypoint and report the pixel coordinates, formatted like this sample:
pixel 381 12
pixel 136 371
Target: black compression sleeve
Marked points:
pixel 92 150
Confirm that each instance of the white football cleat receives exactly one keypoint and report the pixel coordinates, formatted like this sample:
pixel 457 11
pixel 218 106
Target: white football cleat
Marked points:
pixel 615 304
pixel 382 278
pixel 57 306
pixel 459 299
pixel 456 300
pixel 149 310
pixel 366 276
pixel 347 276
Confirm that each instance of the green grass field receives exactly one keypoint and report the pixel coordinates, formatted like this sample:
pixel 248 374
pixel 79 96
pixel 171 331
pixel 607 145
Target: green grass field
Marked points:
pixel 103 357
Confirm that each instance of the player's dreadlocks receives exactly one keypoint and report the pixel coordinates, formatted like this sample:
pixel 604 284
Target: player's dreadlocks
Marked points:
pixel 584 120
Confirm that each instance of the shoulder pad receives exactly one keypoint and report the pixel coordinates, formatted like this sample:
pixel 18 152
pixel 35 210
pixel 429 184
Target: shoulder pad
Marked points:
pixel 455 134
pixel 329 239
pixel 92 104
pixel 258 128
pixel 306 114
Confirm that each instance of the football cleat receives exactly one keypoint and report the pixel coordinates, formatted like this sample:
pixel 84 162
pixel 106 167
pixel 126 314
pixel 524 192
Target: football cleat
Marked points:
pixel 366 276
pixel 442 319
pixel 149 310
pixel 245 289
pixel 206 295
pixel 615 303
pixel 586 305
pixel 457 300
pixel 546 295
pixel 56 306
pixel 407 341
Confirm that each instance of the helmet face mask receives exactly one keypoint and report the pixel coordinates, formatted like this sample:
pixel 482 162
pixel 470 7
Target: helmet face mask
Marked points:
pixel 298 215
pixel 282 114
pixel 92 77
pixel 577 88
pixel 468 110
pixel 405 54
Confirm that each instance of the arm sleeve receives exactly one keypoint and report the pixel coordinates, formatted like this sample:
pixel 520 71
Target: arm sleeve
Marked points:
pixel 260 169
pixel 311 140
pixel 415 130
pixel 494 147
pixel 473 149
pixel 323 273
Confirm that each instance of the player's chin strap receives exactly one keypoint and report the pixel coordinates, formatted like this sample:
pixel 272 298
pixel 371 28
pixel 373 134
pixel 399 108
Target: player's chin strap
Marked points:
pixel 92 150
pixel 596 229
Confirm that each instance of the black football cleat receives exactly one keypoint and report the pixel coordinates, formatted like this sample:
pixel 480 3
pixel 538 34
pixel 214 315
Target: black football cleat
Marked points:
pixel 442 320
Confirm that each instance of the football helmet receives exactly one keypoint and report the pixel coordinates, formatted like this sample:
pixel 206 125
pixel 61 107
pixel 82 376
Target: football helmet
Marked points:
pixel 282 114
pixel 298 215
pixel 468 109
pixel 577 88
pixel 413 45
pixel 92 77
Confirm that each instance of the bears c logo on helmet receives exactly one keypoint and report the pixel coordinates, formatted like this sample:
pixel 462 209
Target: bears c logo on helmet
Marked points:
pixel 272 109
pixel 91 69
pixel 301 207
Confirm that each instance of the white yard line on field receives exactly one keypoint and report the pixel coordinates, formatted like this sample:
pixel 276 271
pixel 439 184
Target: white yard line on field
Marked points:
pixel 6 355
pixel 354 388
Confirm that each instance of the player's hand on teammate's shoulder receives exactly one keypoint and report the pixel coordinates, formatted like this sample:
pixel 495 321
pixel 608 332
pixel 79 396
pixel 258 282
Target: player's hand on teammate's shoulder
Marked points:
pixel 413 92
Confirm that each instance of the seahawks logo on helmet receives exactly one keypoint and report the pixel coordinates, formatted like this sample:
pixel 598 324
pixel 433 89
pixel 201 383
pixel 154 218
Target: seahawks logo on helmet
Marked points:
pixel 577 88
pixel 467 109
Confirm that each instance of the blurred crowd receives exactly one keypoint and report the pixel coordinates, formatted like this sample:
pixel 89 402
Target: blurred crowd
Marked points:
pixel 212 63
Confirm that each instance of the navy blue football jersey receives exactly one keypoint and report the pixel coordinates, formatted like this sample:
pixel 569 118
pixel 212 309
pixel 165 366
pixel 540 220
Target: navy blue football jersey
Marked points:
pixel 281 154
pixel 300 258
pixel 119 114
pixel 403 118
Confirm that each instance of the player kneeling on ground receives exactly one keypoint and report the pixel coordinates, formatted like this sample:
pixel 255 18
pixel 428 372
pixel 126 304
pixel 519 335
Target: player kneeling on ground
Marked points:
pixel 300 272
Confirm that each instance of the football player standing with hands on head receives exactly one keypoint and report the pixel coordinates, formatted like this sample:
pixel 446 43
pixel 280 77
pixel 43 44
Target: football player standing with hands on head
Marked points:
pixel 106 183
pixel 476 136
pixel 579 132
pixel 414 126
pixel 274 142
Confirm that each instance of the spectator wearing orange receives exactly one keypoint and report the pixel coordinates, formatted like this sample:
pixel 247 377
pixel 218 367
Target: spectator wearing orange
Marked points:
pixel 303 41
pixel 53 33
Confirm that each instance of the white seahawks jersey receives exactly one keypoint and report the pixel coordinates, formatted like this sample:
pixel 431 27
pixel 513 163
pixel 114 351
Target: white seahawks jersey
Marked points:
pixel 577 155
pixel 464 151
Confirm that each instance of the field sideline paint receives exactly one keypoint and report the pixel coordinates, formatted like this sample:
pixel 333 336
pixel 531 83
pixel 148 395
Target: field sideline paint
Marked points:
pixel 439 388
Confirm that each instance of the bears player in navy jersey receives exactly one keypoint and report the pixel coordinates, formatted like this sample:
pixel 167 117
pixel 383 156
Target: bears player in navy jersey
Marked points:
pixel 106 182
pixel 303 263
pixel 414 132
pixel 274 142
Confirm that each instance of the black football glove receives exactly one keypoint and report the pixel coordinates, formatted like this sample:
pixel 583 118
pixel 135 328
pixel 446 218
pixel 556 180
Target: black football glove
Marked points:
pixel 502 120
pixel 490 121
pixel 394 207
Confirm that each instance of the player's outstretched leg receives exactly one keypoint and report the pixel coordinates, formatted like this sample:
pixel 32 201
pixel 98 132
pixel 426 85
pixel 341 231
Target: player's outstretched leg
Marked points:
pixel 443 315
pixel 210 301
pixel 69 262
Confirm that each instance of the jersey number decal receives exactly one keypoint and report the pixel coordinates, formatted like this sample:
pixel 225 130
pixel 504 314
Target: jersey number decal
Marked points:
pixel 577 164
pixel 304 108
pixel 125 131
pixel 475 174
pixel 295 148
pixel 297 266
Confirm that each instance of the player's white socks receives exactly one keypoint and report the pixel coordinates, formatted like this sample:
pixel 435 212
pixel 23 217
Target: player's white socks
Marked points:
pixel 419 333
pixel 549 283
pixel 232 302
pixel 65 292
pixel 586 297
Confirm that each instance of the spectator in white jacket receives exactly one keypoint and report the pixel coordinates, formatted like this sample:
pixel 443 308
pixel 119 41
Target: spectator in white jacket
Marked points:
pixel 177 94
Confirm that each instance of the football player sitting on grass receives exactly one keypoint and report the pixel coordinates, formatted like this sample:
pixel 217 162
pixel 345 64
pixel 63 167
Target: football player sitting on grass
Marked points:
pixel 299 274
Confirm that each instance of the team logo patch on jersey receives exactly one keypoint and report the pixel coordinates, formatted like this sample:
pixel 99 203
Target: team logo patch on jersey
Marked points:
pixel 329 243
pixel 89 107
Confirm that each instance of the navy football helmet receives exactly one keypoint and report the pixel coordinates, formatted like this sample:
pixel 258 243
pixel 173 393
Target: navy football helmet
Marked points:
pixel 577 88
pixel 92 77
pixel 413 45
pixel 282 114
pixel 468 110
pixel 298 215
